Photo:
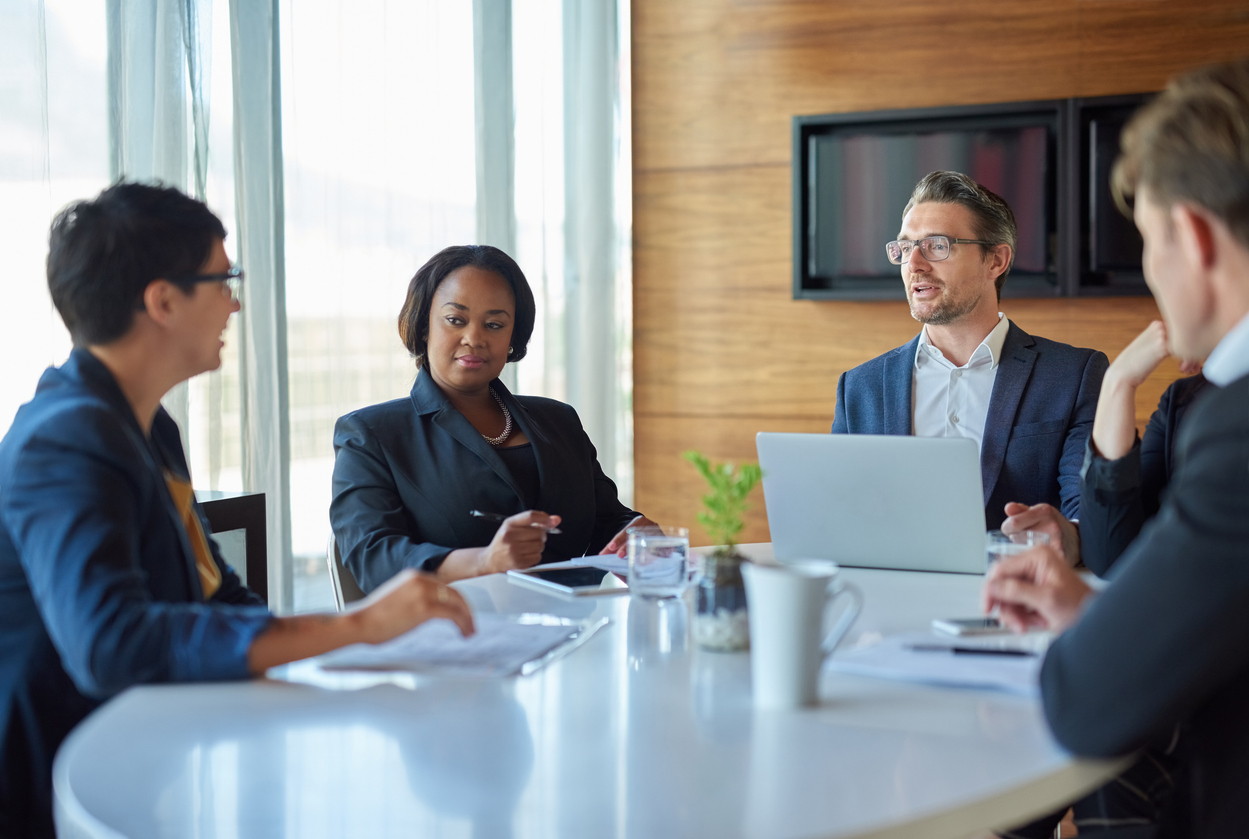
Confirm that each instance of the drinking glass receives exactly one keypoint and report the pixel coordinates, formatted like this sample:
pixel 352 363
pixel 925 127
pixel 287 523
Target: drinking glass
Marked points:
pixel 658 560
pixel 999 544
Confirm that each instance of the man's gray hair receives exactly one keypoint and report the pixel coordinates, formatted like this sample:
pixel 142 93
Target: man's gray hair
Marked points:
pixel 993 220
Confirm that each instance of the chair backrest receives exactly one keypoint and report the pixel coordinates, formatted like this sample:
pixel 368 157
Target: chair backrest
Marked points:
pixel 231 511
pixel 346 589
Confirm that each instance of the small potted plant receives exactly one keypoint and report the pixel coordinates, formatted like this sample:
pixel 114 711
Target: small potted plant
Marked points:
pixel 721 622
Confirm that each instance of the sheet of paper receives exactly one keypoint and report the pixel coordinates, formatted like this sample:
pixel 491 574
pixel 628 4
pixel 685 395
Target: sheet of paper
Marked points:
pixel 610 562
pixel 501 646
pixel 893 658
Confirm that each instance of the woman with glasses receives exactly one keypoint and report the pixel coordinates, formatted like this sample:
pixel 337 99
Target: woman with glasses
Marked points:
pixel 463 478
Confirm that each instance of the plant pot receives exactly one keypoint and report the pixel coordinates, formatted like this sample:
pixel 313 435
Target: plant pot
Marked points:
pixel 721 622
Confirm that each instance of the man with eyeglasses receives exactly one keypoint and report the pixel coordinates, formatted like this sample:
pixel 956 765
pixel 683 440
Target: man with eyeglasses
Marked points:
pixel 108 575
pixel 1028 402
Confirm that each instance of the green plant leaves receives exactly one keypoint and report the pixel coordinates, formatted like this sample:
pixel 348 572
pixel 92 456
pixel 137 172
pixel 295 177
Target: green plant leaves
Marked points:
pixel 726 502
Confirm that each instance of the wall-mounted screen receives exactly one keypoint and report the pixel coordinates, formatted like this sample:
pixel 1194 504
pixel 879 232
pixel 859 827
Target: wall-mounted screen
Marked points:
pixel 1108 259
pixel 859 174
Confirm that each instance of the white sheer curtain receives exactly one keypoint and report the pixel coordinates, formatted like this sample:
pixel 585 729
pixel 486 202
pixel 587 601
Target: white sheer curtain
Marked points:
pixel 367 142
pixel 572 200
pixel 53 149
pixel 158 54
pixel 378 116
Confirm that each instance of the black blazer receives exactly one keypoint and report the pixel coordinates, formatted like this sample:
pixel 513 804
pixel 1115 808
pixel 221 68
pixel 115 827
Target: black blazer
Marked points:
pixel 406 473
pixel 1118 496
pixel 1167 643
pixel 1040 416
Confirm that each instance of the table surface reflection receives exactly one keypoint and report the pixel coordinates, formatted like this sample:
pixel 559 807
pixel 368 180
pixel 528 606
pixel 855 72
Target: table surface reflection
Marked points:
pixel 635 734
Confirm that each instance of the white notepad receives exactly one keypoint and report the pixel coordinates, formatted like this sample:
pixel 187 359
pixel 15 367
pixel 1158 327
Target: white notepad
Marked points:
pixel 503 645
pixel 891 658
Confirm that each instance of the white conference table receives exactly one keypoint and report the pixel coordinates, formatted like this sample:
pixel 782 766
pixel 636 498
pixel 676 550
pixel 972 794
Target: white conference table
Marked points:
pixel 637 733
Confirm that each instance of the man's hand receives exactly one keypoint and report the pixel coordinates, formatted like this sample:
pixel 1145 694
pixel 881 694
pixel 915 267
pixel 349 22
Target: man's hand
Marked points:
pixel 1046 519
pixel 619 543
pixel 1035 590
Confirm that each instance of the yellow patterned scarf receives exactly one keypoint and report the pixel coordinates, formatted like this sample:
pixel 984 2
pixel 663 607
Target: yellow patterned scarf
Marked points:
pixel 183 498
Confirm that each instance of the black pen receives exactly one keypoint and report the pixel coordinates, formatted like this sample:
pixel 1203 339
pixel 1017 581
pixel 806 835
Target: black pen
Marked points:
pixel 944 648
pixel 500 517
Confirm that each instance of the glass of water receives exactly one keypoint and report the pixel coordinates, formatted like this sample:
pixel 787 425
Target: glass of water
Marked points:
pixel 999 544
pixel 658 560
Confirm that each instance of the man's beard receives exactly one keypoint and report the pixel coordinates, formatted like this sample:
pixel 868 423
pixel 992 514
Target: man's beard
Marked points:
pixel 946 311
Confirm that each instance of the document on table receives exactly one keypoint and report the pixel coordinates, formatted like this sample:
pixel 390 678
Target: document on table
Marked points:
pixel 608 562
pixel 896 657
pixel 503 645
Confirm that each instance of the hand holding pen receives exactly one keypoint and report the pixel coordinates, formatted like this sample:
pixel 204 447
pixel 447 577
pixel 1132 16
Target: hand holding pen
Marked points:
pixel 519 541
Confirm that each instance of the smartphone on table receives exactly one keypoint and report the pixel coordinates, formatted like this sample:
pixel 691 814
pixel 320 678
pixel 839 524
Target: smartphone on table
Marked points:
pixel 970 626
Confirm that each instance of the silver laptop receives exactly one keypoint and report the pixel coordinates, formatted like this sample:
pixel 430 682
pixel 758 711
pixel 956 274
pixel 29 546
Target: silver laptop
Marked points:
pixel 874 501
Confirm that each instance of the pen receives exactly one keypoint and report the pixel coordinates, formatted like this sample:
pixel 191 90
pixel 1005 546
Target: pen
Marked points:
pixel 499 517
pixel 943 648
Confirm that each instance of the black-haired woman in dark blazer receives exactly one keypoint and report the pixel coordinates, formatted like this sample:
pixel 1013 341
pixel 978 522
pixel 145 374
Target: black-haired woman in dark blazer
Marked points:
pixel 407 472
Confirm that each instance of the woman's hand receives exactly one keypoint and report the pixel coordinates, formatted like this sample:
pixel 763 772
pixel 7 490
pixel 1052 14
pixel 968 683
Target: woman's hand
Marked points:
pixel 1114 426
pixel 406 600
pixel 619 543
pixel 1035 589
pixel 1141 357
pixel 518 543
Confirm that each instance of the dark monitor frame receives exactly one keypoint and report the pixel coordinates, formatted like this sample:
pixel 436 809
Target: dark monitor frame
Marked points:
pixel 1084 278
pixel 1070 214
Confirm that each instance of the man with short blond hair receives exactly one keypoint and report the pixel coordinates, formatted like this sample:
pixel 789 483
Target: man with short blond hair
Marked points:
pixel 1164 651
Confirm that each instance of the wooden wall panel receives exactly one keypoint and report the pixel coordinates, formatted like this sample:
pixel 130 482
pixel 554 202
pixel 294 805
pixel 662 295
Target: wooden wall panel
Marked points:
pixel 721 350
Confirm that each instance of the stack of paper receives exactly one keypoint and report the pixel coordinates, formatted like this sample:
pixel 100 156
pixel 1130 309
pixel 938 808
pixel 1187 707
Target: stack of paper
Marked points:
pixel 950 661
pixel 502 645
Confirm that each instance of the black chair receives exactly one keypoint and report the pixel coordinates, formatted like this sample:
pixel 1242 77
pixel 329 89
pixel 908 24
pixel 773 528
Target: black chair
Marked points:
pixel 244 511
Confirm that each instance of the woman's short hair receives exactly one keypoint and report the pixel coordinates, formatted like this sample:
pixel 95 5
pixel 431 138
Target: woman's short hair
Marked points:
pixel 1191 143
pixel 993 220
pixel 103 253
pixel 414 317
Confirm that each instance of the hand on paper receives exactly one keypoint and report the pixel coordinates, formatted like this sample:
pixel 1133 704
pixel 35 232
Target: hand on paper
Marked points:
pixel 406 600
pixel 619 543
pixel 1046 519
pixel 1035 590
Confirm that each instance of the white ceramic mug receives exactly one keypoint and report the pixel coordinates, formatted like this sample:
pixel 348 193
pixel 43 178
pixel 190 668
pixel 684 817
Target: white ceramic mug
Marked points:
pixel 787 604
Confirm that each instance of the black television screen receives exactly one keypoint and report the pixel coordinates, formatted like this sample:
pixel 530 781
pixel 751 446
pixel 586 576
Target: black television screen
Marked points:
pixel 859 171
pixel 1110 245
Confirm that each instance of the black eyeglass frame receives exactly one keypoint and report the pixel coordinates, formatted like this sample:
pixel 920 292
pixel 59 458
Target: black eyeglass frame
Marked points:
pixel 919 243
pixel 233 280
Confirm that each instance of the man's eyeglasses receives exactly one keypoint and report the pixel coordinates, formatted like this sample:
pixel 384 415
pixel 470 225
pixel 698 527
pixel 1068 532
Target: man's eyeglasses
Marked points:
pixel 231 281
pixel 934 248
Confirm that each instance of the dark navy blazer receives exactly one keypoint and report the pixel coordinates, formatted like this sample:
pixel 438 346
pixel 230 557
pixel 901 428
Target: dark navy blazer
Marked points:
pixel 98 585
pixel 1040 416
pixel 1164 649
pixel 406 473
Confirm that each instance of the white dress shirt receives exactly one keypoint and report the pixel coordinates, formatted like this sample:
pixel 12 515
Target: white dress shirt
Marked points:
pixel 1230 358
pixel 951 401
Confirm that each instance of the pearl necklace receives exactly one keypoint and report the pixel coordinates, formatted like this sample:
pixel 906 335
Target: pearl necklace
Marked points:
pixel 507 423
